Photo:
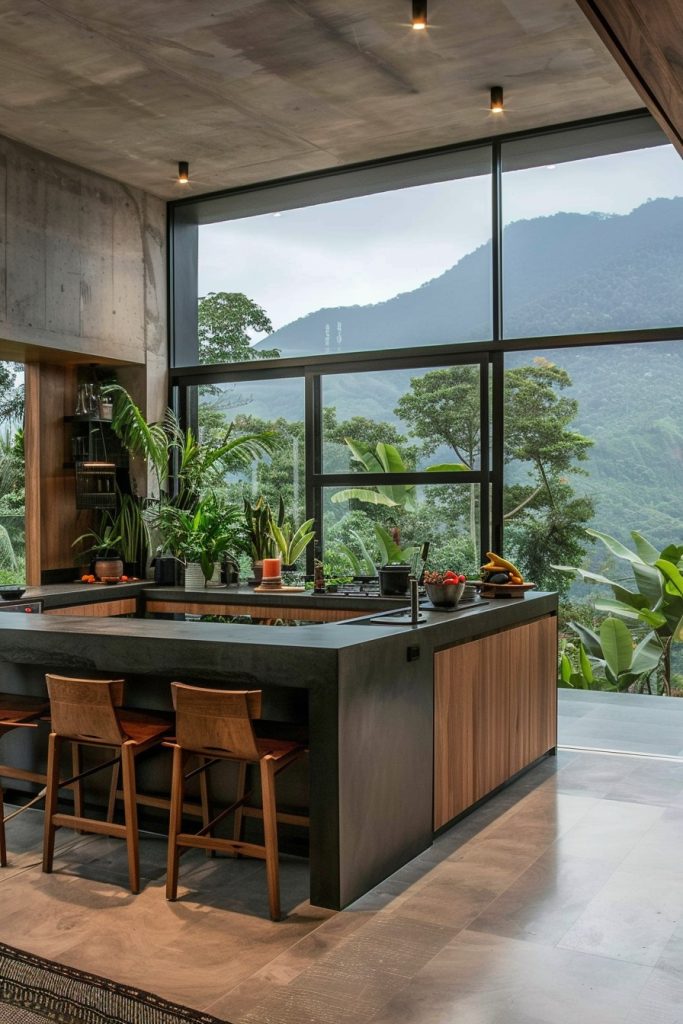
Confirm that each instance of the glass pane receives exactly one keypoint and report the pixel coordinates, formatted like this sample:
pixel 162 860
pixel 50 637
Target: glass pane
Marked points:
pixel 593 456
pixel 430 418
pixel 12 502
pixel 401 265
pixel 593 237
pixel 251 407
pixel 358 536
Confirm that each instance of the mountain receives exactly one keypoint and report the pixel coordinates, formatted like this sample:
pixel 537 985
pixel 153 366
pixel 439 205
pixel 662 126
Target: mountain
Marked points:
pixel 564 274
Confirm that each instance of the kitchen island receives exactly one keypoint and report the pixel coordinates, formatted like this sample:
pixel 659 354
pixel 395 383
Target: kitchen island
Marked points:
pixel 408 726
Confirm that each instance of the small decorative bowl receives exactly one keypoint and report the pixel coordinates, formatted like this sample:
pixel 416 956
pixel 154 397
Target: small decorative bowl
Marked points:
pixel 12 593
pixel 109 580
pixel 444 595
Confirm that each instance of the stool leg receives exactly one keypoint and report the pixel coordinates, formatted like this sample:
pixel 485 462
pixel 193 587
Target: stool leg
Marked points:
pixel 76 769
pixel 241 790
pixel 206 803
pixel 175 823
pixel 54 747
pixel 3 847
pixel 113 788
pixel 270 830
pixel 131 815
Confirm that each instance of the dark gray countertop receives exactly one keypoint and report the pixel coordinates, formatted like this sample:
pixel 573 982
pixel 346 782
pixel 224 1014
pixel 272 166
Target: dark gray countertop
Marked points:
pixel 66 595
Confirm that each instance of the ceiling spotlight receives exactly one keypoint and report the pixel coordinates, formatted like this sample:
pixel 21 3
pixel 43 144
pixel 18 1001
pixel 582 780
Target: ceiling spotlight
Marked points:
pixel 183 172
pixel 419 20
pixel 497 99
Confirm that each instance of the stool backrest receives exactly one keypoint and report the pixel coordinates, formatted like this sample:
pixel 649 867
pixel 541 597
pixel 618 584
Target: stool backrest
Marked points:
pixel 217 721
pixel 85 708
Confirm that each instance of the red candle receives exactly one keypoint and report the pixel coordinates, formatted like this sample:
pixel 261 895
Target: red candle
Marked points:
pixel 271 568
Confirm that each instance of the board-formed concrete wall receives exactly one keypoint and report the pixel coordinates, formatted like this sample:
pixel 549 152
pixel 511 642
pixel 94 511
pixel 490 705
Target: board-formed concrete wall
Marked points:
pixel 82 263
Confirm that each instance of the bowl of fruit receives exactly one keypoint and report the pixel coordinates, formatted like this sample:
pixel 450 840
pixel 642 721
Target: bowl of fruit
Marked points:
pixel 444 589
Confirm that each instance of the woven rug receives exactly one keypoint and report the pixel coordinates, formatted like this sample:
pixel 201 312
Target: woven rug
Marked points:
pixel 33 991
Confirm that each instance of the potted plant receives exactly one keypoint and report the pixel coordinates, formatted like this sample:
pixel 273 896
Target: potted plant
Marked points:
pixel 200 538
pixel 105 548
pixel 259 522
pixel 291 543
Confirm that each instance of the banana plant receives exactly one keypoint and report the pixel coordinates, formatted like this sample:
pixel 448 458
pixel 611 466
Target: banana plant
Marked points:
pixel 386 458
pixel 655 601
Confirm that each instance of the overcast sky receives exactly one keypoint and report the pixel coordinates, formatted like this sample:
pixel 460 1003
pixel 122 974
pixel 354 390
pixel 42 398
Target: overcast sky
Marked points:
pixel 367 249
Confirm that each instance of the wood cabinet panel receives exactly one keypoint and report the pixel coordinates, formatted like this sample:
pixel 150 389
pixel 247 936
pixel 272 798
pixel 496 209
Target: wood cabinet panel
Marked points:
pixel 495 711
pixel 98 609
pixel 258 611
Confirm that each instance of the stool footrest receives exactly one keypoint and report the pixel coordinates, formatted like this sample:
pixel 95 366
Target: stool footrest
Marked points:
pixel 282 816
pixel 221 845
pixel 102 828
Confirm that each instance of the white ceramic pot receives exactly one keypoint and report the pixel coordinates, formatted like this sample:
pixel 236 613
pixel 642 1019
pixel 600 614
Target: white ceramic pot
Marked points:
pixel 194 576
pixel 215 580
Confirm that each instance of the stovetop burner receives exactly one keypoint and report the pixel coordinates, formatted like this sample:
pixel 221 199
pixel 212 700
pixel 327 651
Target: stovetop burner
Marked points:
pixel 356 588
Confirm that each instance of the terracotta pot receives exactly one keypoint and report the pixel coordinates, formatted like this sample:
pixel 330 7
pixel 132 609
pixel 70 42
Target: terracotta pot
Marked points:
pixel 108 567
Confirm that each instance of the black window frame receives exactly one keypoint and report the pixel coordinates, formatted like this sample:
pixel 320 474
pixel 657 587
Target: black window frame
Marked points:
pixel 186 373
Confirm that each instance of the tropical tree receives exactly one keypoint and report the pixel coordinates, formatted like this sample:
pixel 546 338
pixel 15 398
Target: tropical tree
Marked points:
pixel 543 515
pixel 225 322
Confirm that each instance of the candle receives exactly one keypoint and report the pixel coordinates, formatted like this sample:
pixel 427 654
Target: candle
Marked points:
pixel 271 568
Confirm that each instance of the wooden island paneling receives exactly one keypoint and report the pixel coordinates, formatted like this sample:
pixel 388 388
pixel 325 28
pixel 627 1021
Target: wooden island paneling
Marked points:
pixel 494 712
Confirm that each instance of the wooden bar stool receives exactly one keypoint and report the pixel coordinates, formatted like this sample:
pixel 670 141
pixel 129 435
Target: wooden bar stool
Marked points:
pixel 87 712
pixel 16 711
pixel 217 725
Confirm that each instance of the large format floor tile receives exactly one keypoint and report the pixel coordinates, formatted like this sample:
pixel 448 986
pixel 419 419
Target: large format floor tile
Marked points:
pixel 557 902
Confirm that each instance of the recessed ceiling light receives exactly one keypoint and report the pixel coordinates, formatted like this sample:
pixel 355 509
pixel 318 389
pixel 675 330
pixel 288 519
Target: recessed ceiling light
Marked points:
pixel 419 19
pixel 497 106
pixel 183 172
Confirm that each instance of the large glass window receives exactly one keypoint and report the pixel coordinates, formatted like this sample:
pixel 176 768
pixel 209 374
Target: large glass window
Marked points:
pixel 12 502
pixel 430 418
pixel 250 407
pixel 593 232
pixel 359 535
pixel 403 260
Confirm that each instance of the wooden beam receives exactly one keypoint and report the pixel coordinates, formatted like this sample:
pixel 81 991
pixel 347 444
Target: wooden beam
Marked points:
pixel 646 40
pixel 32 474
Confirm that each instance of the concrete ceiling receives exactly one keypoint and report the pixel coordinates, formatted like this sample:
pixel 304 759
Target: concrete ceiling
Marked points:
pixel 249 90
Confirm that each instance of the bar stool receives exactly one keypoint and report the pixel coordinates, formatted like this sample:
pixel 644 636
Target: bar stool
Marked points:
pixel 87 712
pixel 217 725
pixel 16 711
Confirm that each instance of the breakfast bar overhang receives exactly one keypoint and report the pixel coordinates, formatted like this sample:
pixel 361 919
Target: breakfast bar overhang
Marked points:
pixel 409 727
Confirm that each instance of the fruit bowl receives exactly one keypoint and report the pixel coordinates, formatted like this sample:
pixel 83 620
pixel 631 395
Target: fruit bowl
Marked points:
pixel 444 595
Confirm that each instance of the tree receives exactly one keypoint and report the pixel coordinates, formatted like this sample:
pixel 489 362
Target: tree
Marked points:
pixel 442 408
pixel 544 518
pixel 225 320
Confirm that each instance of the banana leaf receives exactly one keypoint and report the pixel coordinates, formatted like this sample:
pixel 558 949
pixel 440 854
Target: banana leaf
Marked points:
pixel 617 646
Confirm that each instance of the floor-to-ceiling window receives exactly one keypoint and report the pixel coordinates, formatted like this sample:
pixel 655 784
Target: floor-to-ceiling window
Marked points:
pixel 475 347
pixel 12 505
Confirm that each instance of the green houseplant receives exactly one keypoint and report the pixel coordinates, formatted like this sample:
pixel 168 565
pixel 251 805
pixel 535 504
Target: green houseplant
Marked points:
pixel 105 547
pixel 199 538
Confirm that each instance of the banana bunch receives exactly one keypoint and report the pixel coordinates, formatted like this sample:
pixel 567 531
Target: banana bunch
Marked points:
pixel 499 570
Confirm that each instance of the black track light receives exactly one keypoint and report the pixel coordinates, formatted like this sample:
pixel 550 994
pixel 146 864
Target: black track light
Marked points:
pixel 497 106
pixel 419 20
pixel 183 172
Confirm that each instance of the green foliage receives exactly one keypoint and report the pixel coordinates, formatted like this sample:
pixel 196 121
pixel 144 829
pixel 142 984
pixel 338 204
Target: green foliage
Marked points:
pixel 384 459
pixel 259 519
pixel 105 539
pixel 291 543
pixel 656 602
pixel 203 535
pixel 225 320
pixel 198 465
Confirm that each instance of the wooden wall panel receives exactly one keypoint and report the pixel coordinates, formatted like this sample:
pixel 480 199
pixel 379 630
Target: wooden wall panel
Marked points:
pixel 495 712
pixel 52 520
pixel 646 41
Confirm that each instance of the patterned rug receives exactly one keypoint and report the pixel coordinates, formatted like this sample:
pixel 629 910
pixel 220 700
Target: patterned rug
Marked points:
pixel 33 991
